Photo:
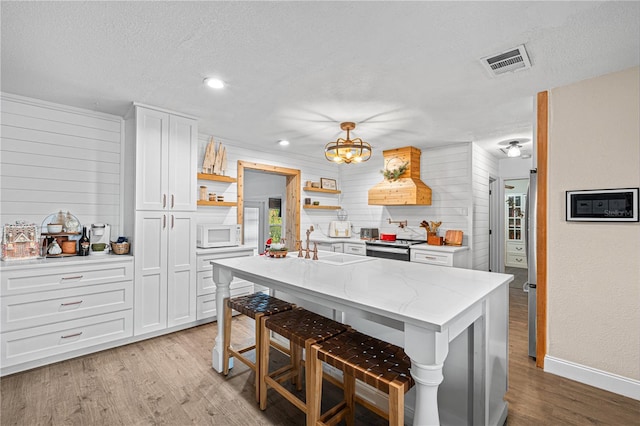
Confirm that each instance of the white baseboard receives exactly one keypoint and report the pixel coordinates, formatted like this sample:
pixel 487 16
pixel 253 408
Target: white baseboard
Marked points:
pixel 593 377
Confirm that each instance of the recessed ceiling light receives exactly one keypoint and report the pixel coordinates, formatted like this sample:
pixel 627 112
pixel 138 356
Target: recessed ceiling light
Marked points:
pixel 214 83
pixel 283 142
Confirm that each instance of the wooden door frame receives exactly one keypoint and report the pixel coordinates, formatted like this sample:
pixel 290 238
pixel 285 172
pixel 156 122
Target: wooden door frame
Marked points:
pixel 292 194
pixel 542 145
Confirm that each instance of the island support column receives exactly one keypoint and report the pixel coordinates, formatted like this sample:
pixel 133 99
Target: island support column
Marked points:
pixel 428 350
pixel 222 278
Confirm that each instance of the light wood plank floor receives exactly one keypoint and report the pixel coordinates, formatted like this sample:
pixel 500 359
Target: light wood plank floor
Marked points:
pixel 169 381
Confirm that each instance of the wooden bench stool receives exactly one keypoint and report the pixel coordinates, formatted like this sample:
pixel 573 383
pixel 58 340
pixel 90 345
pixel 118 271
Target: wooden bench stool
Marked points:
pixel 379 364
pixel 255 306
pixel 303 329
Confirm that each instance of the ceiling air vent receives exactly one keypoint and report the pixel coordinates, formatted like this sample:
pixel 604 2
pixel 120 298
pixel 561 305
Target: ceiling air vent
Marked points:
pixel 515 59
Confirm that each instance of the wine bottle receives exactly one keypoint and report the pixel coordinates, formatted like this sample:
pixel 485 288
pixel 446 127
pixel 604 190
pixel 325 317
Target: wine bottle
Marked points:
pixel 83 243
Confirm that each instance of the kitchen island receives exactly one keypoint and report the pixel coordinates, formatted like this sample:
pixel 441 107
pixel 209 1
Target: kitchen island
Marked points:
pixel 431 305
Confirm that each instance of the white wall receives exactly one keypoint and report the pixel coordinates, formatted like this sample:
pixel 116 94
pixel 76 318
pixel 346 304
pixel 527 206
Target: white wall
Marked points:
pixel 446 170
pixel 594 268
pixel 515 167
pixel 56 157
pixel 312 167
pixel 483 166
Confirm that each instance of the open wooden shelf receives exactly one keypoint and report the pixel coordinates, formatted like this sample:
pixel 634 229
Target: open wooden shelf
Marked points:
pixel 326 191
pixel 217 178
pixel 217 203
pixel 311 206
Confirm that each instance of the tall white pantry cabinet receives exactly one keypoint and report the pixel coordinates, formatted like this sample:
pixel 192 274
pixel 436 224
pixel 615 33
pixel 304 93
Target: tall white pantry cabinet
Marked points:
pixel 160 202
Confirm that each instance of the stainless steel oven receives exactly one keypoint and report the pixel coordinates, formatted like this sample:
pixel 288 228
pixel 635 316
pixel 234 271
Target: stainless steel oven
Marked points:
pixel 397 250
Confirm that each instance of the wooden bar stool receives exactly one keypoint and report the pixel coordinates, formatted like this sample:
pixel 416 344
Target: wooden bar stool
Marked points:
pixel 377 363
pixel 303 329
pixel 255 306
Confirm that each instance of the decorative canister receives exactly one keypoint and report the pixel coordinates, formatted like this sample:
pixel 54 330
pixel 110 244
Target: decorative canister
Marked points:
pixel 203 193
pixel 69 247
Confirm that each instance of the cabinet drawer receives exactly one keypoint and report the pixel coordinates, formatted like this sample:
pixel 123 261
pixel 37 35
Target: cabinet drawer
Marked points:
pixel 53 339
pixel 205 284
pixel 34 309
pixel 204 259
pixel 207 304
pixel 518 260
pixel 359 249
pixel 516 247
pixel 432 258
pixel 61 277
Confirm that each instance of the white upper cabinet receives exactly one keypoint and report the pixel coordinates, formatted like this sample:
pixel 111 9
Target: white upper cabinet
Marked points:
pixel 166 155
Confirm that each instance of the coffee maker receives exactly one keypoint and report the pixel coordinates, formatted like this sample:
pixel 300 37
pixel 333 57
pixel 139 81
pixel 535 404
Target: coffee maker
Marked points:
pixel 100 238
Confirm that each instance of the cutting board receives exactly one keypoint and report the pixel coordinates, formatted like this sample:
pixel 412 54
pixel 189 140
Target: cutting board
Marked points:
pixel 453 238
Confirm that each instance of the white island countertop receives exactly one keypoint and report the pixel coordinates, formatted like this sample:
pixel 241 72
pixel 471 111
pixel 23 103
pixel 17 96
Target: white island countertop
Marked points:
pixel 428 295
pixel 431 305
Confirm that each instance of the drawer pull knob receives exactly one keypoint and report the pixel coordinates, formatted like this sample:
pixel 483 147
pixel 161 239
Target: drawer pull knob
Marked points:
pixel 71 303
pixel 431 258
pixel 68 336
pixel 519 248
pixel 75 277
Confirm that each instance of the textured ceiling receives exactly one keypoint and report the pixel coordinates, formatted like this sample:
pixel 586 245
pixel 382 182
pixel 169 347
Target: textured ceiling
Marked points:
pixel 407 72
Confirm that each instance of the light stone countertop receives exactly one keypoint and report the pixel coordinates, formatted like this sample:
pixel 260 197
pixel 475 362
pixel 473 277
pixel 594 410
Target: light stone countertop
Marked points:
pixel 444 249
pixel 214 250
pixel 426 295
pixel 66 261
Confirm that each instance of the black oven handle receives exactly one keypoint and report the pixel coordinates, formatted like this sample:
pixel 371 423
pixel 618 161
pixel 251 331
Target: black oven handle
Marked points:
pixel 394 250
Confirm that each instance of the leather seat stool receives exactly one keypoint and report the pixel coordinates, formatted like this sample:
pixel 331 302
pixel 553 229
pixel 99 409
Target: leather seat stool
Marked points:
pixel 375 362
pixel 303 329
pixel 256 306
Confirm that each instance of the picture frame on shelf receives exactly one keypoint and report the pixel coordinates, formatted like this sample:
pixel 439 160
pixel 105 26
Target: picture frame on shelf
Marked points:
pixel 326 183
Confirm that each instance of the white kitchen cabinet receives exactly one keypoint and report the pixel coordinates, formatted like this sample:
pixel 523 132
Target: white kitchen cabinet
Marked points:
pixel 334 247
pixel 206 288
pixel 354 248
pixel 515 223
pixel 57 310
pixel 166 154
pixel 454 256
pixel 516 254
pixel 165 289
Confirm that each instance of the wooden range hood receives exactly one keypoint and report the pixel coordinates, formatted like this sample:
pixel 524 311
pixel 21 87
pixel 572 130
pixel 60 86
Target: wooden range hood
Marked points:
pixel 408 190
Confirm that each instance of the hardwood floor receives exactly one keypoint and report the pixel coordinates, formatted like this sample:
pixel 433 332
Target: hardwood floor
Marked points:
pixel 169 381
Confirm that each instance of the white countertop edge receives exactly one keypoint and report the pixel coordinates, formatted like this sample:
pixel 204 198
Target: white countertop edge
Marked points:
pixel 445 249
pixel 214 250
pixel 65 261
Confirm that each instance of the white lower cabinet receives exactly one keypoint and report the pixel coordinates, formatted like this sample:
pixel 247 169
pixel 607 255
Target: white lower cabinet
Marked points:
pixel 516 254
pixel 440 255
pixel 165 285
pixel 353 248
pixel 206 288
pixel 56 311
pixel 334 247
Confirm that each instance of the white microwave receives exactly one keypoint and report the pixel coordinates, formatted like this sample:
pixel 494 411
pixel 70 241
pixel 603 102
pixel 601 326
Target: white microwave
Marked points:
pixel 211 235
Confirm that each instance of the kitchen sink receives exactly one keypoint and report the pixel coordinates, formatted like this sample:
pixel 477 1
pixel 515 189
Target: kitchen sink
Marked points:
pixel 343 259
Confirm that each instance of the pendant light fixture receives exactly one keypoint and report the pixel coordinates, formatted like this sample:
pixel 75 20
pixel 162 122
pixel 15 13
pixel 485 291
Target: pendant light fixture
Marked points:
pixel 513 150
pixel 347 150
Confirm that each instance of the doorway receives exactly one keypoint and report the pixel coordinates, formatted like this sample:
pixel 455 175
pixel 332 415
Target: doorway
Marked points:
pixel 289 212
pixel 515 230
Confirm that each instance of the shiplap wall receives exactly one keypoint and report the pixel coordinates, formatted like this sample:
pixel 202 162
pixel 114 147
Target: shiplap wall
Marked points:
pixel 446 170
pixel 55 157
pixel 312 167
pixel 484 165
